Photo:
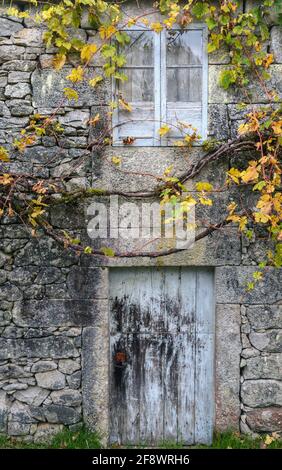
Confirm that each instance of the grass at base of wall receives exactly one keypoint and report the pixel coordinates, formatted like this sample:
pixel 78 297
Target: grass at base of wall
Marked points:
pixel 85 439
pixel 66 439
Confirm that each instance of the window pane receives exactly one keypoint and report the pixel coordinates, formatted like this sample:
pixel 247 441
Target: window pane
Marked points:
pixel 184 85
pixel 184 47
pixel 180 116
pixel 139 86
pixel 140 50
pixel 137 124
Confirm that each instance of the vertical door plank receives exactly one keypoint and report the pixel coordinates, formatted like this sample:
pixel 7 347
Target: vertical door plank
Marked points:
pixel 171 300
pixel 186 390
pixel 204 396
pixel 187 298
pixel 170 386
pixel 151 404
pixel 205 301
pixel 118 381
pixel 204 383
pixel 132 396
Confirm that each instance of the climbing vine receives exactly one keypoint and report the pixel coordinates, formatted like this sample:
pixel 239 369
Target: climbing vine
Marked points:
pixel 240 36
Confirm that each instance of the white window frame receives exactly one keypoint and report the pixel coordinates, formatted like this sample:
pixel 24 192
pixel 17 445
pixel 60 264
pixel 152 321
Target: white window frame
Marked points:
pixel 160 88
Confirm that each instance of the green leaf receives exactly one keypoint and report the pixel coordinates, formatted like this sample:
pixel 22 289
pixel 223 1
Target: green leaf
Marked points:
pixel 70 94
pixel 237 29
pixel 108 51
pixel 109 69
pixel 259 186
pixel 75 241
pixel 212 47
pixel 250 286
pixel 122 38
pixel 200 9
pixel 120 60
pixel 227 78
pixel 257 275
pixel 211 23
pixel 120 76
pixel 224 19
pixel 264 31
pixel 107 251
pixel 249 234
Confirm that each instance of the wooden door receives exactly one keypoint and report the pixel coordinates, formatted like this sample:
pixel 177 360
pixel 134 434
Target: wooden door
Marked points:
pixel 162 355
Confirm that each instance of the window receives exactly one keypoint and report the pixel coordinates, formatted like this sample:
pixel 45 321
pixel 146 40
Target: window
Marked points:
pixel 167 84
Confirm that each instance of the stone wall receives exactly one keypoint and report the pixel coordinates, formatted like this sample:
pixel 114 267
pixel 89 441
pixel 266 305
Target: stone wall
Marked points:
pixel 53 304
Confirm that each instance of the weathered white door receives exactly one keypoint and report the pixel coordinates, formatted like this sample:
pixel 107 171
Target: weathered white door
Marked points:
pixel 162 355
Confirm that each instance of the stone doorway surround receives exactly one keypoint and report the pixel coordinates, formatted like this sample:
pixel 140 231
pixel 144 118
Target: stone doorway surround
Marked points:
pixel 96 360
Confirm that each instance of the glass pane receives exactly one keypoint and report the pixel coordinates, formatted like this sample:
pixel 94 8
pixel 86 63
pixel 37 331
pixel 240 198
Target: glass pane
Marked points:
pixel 140 50
pixel 184 48
pixel 184 85
pixel 139 86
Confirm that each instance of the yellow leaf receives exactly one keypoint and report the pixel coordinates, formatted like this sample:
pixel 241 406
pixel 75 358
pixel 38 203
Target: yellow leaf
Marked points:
pixel 113 104
pixel 277 127
pixel 234 175
pixel 268 60
pixel 243 222
pixel 231 207
pixel 93 121
pixel 164 130
pixel 144 21
pixel 6 179
pixel 157 27
pixel 233 218
pixel 250 174
pixel 203 186
pixel 131 22
pixel 10 211
pixel 116 160
pixel 70 94
pixel 59 61
pixel 265 204
pixel 205 201
pixel 168 170
pixel 243 129
pixel 93 82
pixel 268 439
pixel 107 31
pixel 4 155
pixel 277 202
pixel 12 11
pixel 125 105
pixel 88 51
pixel 262 218
pixel 188 203
pixel 76 75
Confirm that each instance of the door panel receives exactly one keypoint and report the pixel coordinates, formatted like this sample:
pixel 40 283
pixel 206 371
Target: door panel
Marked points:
pixel 162 342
